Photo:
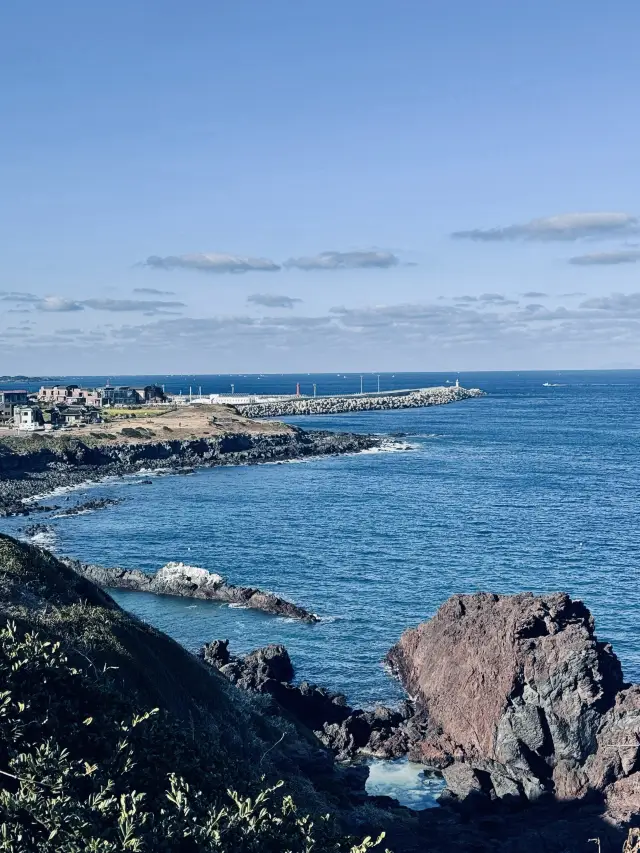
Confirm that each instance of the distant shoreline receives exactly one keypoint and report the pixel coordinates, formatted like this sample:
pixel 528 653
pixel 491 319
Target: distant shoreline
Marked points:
pixel 35 467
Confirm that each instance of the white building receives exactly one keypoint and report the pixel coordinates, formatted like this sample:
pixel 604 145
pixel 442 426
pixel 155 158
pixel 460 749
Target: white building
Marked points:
pixel 28 418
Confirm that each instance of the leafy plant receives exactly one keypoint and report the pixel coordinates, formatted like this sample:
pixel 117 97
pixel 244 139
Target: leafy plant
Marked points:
pixel 78 777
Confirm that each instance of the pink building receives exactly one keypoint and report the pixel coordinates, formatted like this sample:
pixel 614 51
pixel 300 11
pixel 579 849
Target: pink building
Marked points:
pixel 69 395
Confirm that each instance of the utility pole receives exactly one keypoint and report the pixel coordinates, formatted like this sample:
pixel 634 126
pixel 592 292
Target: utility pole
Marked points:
pixel 361 383
pixel 378 383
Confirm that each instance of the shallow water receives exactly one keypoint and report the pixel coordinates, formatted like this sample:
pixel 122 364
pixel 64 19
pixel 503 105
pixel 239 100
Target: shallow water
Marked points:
pixel 531 487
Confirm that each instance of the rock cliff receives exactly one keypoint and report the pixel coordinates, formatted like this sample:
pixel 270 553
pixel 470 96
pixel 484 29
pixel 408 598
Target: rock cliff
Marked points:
pixel 346 731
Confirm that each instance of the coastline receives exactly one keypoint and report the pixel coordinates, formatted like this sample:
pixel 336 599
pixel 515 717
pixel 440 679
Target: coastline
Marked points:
pixel 39 469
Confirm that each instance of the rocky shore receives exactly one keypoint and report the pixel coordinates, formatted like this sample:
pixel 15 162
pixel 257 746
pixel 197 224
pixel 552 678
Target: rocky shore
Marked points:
pixel 189 582
pixel 514 700
pixel 359 403
pixel 346 731
pixel 485 666
pixel 40 465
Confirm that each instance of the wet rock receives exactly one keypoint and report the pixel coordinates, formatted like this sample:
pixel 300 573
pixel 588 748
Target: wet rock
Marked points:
pixel 33 530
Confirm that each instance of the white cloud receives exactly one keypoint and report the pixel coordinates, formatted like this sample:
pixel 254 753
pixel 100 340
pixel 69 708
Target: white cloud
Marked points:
pixel 567 226
pixel 345 261
pixel 273 300
pixel 620 256
pixel 120 305
pixel 58 304
pixel 212 263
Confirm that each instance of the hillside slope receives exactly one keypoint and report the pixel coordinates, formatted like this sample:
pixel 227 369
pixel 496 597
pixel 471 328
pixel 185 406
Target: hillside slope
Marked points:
pixel 71 697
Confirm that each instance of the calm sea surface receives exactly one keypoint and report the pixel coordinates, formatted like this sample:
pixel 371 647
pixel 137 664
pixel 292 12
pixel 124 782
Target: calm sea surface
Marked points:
pixel 530 488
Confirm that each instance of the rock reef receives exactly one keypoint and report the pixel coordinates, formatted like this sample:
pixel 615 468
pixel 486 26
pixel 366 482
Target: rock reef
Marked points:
pixel 190 582
pixel 87 506
pixel 516 697
pixel 358 403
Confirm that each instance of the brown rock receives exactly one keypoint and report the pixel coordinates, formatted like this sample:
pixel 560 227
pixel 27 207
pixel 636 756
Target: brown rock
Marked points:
pixel 512 687
pixel 623 799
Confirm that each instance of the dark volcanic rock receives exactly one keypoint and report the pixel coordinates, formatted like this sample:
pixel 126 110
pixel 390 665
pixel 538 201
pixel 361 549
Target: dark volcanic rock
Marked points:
pixel 32 530
pixel 344 730
pixel 190 582
pixel 88 506
pixel 517 697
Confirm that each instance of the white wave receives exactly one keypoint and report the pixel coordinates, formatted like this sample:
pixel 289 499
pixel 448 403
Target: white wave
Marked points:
pixel 406 782
pixel 61 490
pixel 391 447
pixel 45 539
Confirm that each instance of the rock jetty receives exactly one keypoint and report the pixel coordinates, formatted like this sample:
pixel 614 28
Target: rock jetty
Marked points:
pixel 358 403
pixel 518 698
pixel 190 582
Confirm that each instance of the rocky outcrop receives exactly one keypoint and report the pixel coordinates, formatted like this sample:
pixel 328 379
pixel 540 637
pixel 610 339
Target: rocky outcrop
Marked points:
pixel 190 582
pixel 52 462
pixel 358 403
pixel 517 697
pixel 348 732
pixel 88 506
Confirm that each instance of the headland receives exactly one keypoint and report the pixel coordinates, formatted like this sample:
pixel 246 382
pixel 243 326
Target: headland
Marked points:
pixel 172 440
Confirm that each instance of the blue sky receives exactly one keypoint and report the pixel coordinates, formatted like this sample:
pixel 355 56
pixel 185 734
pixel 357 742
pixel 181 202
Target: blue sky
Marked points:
pixel 317 186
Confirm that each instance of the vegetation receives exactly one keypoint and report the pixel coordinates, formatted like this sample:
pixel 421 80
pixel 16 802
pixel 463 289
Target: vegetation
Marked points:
pixel 114 738
pixel 135 412
pixel 78 778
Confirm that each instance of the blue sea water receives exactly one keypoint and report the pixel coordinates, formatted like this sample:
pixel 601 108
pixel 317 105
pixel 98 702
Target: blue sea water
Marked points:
pixel 529 488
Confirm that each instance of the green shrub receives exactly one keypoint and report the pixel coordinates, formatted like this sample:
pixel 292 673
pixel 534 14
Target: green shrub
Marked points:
pixel 83 772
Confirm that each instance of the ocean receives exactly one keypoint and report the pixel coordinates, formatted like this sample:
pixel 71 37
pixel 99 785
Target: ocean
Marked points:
pixel 533 487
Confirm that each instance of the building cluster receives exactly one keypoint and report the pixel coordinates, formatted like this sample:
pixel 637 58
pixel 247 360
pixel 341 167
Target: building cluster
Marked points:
pixel 70 405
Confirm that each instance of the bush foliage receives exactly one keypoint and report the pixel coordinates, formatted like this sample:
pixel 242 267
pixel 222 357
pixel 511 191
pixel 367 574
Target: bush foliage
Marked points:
pixel 83 772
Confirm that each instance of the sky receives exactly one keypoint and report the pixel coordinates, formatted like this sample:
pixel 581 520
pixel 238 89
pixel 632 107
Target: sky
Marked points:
pixel 250 186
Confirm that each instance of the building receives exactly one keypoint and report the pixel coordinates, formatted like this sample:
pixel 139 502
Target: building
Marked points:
pixel 8 401
pixel 73 415
pixel 153 394
pixel 69 395
pixel 121 395
pixel 28 418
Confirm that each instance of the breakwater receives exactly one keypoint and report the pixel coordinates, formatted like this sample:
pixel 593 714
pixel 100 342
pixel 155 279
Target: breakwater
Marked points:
pixel 414 399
